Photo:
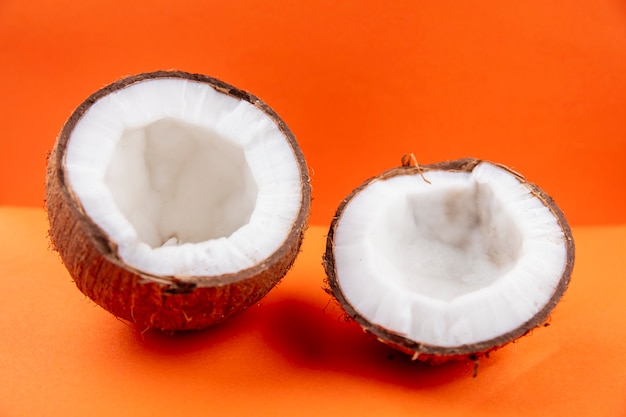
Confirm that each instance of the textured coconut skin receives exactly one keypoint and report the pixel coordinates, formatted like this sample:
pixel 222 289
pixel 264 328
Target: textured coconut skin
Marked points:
pixel 163 302
pixel 438 354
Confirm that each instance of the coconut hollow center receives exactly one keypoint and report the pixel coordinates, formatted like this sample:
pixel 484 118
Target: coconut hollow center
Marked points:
pixel 450 241
pixel 180 183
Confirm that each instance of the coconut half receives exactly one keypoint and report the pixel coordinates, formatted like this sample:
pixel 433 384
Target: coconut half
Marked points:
pixel 176 200
pixel 450 260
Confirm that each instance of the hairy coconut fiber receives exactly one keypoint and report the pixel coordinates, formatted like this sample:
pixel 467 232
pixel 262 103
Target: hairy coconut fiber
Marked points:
pixel 148 300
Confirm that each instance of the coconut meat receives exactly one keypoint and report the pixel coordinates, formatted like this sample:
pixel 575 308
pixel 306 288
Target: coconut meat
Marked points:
pixel 185 180
pixel 465 259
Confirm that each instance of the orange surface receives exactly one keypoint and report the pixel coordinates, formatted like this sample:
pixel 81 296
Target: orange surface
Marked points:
pixel 293 354
pixel 537 85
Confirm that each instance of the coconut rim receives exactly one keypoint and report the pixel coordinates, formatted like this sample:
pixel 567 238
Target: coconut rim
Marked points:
pixel 108 248
pixel 465 165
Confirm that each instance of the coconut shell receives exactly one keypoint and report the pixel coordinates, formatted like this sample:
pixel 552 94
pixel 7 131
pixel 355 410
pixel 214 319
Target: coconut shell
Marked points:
pixel 150 301
pixel 438 354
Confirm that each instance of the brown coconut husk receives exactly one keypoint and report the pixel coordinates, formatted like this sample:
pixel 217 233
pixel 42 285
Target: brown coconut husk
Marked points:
pixel 151 301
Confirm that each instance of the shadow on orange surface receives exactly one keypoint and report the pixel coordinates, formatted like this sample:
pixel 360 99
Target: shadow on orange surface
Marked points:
pixel 312 339
pixel 295 333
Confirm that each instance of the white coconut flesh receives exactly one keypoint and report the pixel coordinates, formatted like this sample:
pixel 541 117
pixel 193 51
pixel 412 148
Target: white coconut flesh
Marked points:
pixel 465 259
pixel 185 180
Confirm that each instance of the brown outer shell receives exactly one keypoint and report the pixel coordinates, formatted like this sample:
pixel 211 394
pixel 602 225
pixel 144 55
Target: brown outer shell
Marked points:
pixel 151 301
pixel 432 353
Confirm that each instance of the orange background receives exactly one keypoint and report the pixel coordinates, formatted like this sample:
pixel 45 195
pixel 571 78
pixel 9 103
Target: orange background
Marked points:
pixel 293 354
pixel 537 85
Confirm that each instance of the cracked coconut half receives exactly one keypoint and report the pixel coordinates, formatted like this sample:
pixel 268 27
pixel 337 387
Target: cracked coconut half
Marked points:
pixel 450 260
pixel 176 200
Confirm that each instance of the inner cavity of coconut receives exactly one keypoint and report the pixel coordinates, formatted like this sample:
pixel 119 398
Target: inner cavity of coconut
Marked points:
pixel 179 183
pixel 448 241
pixel 462 260
pixel 183 179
